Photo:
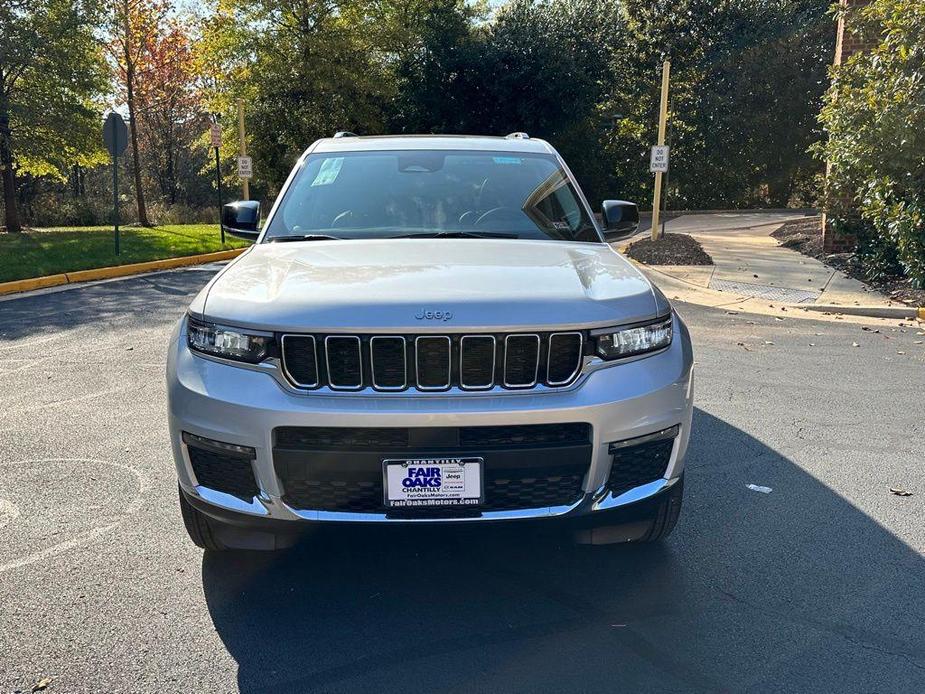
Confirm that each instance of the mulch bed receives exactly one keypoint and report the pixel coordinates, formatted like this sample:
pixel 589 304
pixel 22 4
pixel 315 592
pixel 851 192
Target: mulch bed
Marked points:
pixel 805 236
pixel 671 249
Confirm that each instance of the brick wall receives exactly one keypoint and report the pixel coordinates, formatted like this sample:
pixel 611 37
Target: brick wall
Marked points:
pixel 846 45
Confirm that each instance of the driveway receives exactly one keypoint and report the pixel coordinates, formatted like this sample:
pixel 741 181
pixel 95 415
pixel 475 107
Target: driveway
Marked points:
pixel 750 263
pixel 815 586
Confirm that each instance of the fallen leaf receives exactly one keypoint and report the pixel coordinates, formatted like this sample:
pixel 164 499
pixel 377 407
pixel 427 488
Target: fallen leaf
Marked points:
pixel 41 685
pixel 898 491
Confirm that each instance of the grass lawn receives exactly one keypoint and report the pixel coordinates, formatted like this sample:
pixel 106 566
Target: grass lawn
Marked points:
pixel 51 251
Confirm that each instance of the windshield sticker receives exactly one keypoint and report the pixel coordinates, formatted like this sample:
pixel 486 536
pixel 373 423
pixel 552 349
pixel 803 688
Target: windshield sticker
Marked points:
pixel 507 160
pixel 328 172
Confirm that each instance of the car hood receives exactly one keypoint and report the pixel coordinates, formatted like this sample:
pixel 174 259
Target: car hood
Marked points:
pixel 428 285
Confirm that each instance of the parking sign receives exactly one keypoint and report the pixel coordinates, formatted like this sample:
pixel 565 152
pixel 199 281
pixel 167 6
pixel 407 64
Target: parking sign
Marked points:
pixel 658 159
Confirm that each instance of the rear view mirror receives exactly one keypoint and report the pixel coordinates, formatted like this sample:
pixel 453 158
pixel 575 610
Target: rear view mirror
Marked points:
pixel 242 219
pixel 621 219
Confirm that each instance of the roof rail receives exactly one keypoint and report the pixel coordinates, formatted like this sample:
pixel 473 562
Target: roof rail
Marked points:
pixel 345 133
pixel 517 136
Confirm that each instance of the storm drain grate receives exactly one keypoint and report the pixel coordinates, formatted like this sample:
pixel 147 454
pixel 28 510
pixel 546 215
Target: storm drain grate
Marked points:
pixel 764 291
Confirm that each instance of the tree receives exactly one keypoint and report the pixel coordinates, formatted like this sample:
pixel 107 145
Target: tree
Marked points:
pixel 132 23
pixel 167 104
pixel 51 73
pixel 874 119
pixel 305 68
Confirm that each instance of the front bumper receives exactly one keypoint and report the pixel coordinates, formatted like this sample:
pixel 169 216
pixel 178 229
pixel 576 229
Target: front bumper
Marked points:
pixel 242 406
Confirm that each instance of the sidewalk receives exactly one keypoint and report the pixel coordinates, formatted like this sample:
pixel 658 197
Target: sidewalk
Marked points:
pixel 750 266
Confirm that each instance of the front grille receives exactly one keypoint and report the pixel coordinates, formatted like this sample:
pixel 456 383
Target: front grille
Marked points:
pixel 524 435
pixel 432 362
pixel 343 357
pixel 503 492
pixel 635 465
pixel 340 469
pixel 224 473
pixel 341 438
pixel 521 360
pixel 396 439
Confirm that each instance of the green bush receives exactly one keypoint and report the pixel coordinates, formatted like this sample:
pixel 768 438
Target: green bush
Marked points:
pixel 874 116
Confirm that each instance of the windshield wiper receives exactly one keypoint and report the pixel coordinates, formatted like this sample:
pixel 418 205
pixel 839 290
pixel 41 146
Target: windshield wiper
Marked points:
pixel 303 237
pixel 456 235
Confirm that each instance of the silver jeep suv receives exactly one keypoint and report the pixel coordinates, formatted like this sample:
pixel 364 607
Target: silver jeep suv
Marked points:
pixel 429 330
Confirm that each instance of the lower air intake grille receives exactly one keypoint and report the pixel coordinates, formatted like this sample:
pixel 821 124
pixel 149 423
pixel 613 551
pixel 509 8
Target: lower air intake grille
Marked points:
pixel 639 464
pixel 224 473
pixel 524 466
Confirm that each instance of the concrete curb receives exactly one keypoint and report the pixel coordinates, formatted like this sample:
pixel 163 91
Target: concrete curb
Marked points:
pixel 711 298
pixel 103 273
pixel 871 311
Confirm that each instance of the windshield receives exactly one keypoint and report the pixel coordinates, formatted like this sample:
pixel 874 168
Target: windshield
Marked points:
pixel 428 192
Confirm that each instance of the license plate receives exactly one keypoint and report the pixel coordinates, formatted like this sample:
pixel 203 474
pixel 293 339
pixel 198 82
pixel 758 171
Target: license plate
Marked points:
pixel 415 482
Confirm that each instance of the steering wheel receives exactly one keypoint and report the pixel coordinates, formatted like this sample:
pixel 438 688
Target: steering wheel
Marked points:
pixel 497 214
pixel 342 220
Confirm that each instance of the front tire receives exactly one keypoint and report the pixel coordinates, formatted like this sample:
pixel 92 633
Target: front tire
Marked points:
pixel 214 535
pixel 655 528
pixel 666 517
pixel 198 526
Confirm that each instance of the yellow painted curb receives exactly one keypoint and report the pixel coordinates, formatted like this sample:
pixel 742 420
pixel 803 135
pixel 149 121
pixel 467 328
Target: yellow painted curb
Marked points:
pixel 104 273
pixel 922 313
pixel 32 283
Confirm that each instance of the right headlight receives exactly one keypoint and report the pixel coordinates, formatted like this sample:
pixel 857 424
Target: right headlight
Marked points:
pixel 231 343
pixel 627 342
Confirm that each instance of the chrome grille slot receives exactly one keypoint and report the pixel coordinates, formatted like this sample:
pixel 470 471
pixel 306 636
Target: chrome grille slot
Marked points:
pixel 433 362
pixel 388 360
pixel 477 362
pixel 344 362
pixel 563 357
pixel 300 360
pixel 521 360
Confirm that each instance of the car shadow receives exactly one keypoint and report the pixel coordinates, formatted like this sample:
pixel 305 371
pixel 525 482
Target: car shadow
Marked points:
pixel 795 590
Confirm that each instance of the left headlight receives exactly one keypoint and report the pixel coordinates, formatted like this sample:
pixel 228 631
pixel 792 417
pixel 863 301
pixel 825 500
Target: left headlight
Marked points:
pixel 627 342
pixel 231 343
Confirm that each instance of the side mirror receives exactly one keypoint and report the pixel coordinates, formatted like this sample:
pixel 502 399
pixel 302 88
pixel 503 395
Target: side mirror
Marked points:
pixel 621 219
pixel 242 219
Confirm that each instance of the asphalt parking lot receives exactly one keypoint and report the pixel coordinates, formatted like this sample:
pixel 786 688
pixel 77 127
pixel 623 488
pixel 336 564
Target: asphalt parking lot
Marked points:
pixel 815 586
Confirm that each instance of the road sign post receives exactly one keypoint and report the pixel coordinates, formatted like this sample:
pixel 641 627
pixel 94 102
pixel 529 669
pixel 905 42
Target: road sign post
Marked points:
pixel 662 123
pixel 215 133
pixel 242 146
pixel 115 137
